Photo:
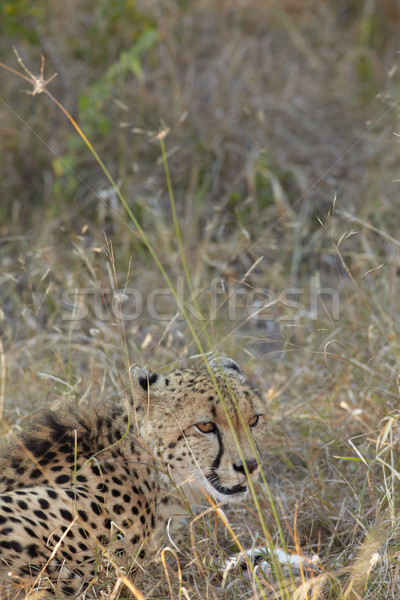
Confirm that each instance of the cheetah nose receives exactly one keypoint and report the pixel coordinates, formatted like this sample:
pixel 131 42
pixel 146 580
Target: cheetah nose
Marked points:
pixel 251 466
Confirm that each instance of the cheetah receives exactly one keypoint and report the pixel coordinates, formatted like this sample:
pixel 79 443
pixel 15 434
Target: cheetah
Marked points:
pixel 101 483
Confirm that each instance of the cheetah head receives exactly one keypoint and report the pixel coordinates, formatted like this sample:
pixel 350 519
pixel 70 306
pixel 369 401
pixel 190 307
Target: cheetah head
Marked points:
pixel 205 426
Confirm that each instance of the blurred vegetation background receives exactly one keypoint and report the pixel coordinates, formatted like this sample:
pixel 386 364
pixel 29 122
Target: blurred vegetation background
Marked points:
pixel 281 146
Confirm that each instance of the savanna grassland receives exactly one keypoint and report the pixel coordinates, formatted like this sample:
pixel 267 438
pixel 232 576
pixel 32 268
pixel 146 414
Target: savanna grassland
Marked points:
pixel 254 147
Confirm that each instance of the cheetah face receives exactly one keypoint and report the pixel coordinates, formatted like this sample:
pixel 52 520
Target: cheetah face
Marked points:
pixel 206 429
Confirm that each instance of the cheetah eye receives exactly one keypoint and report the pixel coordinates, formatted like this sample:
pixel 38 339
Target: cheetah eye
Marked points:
pixel 254 420
pixel 206 427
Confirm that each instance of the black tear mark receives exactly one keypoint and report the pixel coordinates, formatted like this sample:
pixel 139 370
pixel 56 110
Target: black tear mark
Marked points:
pixel 213 478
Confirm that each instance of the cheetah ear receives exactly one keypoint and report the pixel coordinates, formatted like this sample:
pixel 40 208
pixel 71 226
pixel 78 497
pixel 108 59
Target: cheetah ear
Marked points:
pixel 229 366
pixel 145 380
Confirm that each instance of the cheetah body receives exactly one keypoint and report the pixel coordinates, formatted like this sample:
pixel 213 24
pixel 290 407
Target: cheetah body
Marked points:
pixel 85 487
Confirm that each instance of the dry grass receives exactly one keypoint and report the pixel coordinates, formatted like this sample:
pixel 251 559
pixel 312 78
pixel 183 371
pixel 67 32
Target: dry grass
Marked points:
pixel 283 165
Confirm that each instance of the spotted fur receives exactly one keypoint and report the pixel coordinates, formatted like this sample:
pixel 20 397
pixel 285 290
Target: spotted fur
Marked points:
pixel 87 487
